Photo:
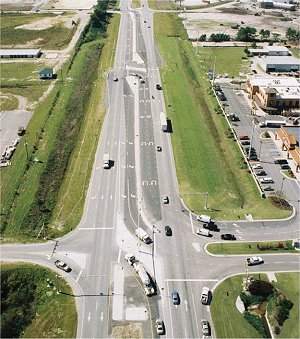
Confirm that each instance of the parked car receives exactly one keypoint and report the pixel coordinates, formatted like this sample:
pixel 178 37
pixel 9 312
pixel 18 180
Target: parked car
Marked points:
pixel 160 327
pixel 63 266
pixel 165 199
pixel 175 298
pixel 158 148
pixel 257 166
pixel 115 79
pixel 168 231
pixel 158 86
pixel 267 180
pixel 205 328
pixel 205 296
pixel 203 231
pixel 243 137
pixel 130 258
pixel 268 188
pixel 21 130
pixel 228 236
pixel 254 261
pixel 285 167
pixel 261 173
pixel 245 142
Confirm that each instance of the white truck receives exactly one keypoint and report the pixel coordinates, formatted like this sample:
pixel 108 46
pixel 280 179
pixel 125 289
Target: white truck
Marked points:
pixel 106 161
pixel 144 276
pixel 143 235
pixel 272 123
pixel 203 231
pixel 163 122
pixel 204 218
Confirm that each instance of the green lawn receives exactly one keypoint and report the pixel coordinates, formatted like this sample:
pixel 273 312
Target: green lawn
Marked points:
pixel 23 79
pixel 228 321
pixel 55 37
pixel 206 159
pixel 296 52
pixel 136 3
pixel 8 102
pixel 228 60
pixel 31 306
pixel 250 247
pixel 289 284
pixel 162 4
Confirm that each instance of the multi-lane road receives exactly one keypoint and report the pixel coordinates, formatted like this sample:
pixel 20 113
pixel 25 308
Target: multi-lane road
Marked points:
pixel 128 196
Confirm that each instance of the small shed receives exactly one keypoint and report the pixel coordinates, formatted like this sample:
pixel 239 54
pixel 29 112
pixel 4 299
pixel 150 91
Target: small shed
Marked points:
pixel 46 73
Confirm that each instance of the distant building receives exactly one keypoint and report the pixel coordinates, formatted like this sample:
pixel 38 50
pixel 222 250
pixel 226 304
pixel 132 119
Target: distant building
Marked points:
pixel 46 73
pixel 281 4
pixel 270 51
pixel 274 94
pixel 279 64
pixel 20 53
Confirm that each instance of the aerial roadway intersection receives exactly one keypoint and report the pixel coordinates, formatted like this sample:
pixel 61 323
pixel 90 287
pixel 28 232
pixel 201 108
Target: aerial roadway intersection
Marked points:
pixel 118 272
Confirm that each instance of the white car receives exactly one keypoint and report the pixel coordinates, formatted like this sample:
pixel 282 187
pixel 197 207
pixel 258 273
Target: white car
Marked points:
pixel 205 295
pixel 205 328
pixel 257 166
pixel 130 258
pixel 165 199
pixel 254 261
pixel 267 180
pixel 160 327
pixel 63 266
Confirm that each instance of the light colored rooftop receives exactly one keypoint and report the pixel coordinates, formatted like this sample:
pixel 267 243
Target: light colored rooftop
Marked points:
pixel 281 60
pixel 272 81
pixel 13 51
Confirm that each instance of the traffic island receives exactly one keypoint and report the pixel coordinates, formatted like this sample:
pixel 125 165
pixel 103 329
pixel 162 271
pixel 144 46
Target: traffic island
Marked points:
pixel 251 247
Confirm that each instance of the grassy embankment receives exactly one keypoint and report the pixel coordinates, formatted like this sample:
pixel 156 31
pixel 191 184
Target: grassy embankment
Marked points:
pixel 207 160
pixel 8 102
pixel 56 37
pixel 62 135
pixel 296 52
pixel 252 247
pixel 289 284
pixel 162 4
pixel 136 3
pixel 22 79
pixel 228 321
pixel 31 306
pixel 228 60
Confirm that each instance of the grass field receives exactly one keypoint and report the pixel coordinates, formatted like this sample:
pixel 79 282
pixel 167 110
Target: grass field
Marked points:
pixel 55 37
pixel 162 4
pixel 136 3
pixel 289 284
pixel 206 159
pixel 23 79
pixel 228 321
pixel 296 52
pixel 22 181
pixel 8 102
pixel 251 247
pixel 31 306
pixel 221 57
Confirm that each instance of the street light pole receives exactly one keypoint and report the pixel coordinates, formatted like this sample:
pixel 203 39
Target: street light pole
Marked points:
pixel 26 149
pixel 281 188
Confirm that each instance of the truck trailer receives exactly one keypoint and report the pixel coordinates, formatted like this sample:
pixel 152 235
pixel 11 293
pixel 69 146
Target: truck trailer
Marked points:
pixel 163 122
pixel 272 123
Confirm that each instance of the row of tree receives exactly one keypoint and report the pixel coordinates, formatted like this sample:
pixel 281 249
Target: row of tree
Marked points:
pixel 249 34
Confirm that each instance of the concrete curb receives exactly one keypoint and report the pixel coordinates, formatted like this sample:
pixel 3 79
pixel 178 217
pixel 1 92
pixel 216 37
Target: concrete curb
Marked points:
pixel 246 254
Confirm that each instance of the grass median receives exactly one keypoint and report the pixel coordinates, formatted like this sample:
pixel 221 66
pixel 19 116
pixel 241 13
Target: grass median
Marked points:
pixel 206 156
pixel 252 247
pixel 31 306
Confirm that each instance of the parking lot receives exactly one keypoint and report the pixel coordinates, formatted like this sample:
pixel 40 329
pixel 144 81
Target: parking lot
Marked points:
pixel 264 151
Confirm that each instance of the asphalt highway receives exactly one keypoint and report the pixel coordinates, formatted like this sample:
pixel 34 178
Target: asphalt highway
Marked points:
pixel 127 196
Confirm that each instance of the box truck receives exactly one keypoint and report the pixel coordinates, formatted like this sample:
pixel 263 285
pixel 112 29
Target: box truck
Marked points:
pixel 163 122
pixel 143 235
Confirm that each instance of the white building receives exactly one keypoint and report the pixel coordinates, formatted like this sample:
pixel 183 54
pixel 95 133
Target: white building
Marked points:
pixel 270 51
pixel 12 53
pixel 279 64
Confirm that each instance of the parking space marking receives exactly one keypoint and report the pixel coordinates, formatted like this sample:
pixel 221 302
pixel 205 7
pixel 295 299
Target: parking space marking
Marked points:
pixel 190 280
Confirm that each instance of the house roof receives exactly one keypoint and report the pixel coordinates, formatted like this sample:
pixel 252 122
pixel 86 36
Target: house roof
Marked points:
pixel 46 71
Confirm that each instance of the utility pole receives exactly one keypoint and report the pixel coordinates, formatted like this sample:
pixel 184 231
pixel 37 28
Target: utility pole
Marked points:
pixel 26 149
pixel 214 71
pixel 251 140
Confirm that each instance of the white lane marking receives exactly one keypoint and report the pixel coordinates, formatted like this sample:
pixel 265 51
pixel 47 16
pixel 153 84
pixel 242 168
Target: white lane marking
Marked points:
pixel 119 256
pixel 170 311
pixel 235 225
pixel 95 228
pixel 191 280
pixel 194 306
pixel 79 275
pixel 97 306
pixel 192 224
pixel 238 231
pixel 101 316
pixel 89 316
pixel 111 197
pixel 186 305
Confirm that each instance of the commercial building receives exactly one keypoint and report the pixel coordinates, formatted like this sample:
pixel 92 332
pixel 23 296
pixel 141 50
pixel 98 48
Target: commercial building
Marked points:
pixel 279 64
pixel 274 94
pixel 12 53
pixel 289 138
pixel 270 51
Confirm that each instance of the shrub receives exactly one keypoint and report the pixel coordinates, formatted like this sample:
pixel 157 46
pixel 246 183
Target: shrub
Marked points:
pixel 257 323
pixel 249 299
pixel 261 288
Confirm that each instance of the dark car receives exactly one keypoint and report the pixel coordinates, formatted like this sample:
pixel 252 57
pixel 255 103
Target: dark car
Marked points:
pixel 243 137
pixel 261 173
pixel 158 86
pixel 168 230
pixel 228 236
pixel 245 143
pixel 175 298
pixel 285 167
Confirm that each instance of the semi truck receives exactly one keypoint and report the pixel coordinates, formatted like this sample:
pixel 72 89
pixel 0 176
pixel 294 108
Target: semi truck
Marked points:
pixel 272 123
pixel 163 122
pixel 106 161
pixel 145 278
pixel 143 235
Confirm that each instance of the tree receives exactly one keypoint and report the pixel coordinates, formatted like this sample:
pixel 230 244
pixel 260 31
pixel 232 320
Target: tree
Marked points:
pixel 202 37
pixel 275 36
pixel 264 34
pixel 246 34
pixel 217 37
pixel 261 288
pixel 292 34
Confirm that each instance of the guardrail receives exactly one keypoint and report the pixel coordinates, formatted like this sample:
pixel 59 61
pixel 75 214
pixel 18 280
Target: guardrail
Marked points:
pixel 262 194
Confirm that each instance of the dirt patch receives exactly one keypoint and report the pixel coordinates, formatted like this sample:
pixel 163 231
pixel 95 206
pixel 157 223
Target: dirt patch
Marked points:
pixel 47 23
pixel 130 331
